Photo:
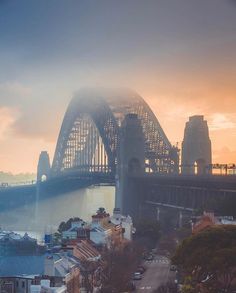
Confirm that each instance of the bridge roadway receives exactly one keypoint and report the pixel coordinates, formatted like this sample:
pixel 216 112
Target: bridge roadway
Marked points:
pixel 15 196
pixel 186 191
pixel 226 182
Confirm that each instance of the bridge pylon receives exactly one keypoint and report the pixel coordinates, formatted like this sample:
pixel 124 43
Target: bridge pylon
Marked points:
pixel 44 169
pixel 131 161
pixel 196 147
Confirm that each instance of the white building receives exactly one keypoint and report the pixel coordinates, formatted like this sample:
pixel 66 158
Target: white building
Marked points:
pixel 125 222
pixel 72 233
pixel 44 287
pixel 99 235
pixel 100 229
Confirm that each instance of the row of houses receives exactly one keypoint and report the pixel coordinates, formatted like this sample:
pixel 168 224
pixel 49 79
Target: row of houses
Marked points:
pixel 70 266
pixel 23 274
pixel 12 243
pixel 102 228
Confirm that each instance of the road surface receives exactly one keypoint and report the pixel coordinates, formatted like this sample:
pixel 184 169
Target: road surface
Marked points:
pixel 157 273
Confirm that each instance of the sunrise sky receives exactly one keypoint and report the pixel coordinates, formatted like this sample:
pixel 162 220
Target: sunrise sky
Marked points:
pixel 179 55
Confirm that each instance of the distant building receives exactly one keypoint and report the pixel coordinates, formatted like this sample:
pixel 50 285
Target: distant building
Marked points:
pixel 91 264
pixel 125 222
pixel 45 287
pixel 103 231
pixel 100 231
pixel 12 243
pixel 20 265
pixel 16 284
pixel 66 267
pixel 23 271
pixel 208 219
pixel 85 251
pixel 32 284
pixel 100 235
pixel 78 229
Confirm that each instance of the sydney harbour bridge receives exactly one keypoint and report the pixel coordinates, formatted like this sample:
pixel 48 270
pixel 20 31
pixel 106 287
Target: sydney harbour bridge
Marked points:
pixel 90 134
pixel 113 137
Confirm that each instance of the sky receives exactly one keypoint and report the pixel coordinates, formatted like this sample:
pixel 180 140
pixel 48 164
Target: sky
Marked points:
pixel 179 55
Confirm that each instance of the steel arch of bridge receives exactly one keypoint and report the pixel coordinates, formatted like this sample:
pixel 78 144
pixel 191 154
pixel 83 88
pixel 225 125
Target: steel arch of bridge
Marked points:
pixel 89 137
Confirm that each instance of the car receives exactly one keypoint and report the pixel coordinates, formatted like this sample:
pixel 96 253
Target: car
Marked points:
pixel 137 276
pixel 173 268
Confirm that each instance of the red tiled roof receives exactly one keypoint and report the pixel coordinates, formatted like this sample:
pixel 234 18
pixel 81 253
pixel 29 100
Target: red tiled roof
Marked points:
pixel 84 250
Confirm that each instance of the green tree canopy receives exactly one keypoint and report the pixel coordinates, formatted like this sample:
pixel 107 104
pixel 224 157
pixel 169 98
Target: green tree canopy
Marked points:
pixel 67 225
pixel 101 210
pixel 209 258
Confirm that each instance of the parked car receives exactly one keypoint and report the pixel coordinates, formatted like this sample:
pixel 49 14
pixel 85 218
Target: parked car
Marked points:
pixel 137 276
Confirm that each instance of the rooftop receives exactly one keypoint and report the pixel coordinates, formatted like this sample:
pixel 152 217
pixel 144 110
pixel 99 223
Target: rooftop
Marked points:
pixel 34 265
pixel 21 265
pixel 85 251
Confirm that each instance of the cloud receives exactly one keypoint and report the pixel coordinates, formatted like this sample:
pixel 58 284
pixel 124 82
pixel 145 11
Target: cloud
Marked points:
pixel 219 121
pixel 42 119
pixel 37 116
pixel 13 94
pixel 7 118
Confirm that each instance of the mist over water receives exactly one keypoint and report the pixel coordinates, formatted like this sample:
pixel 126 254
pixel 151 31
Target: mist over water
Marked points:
pixel 50 212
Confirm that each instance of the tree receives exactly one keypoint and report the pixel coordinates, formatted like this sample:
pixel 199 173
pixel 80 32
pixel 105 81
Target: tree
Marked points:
pixel 147 232
pixel 208 259
pixel 167 288
pixel 101 210
pixel 168 244
pixel 66 225
pixel 119 265
pixel 89 272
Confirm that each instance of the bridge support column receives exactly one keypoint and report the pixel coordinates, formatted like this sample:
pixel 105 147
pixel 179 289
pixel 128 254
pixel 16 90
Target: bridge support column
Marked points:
pixel 180 219
pixel 196 147
pixel 131 161
pixel 158 214
pixel 43 173
pixel 43 170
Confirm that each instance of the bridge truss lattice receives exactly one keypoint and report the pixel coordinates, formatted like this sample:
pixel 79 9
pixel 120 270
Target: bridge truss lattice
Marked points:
pixel 89 137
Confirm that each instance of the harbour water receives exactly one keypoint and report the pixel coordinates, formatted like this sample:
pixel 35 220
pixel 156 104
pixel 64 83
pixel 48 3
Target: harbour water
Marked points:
pixel 52 211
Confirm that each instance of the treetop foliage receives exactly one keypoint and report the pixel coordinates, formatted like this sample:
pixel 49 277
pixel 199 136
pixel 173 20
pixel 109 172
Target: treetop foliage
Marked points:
pixel 209 257
pixel 64 226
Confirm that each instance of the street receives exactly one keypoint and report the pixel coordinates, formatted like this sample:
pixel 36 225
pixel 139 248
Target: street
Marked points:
pixel 157 273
